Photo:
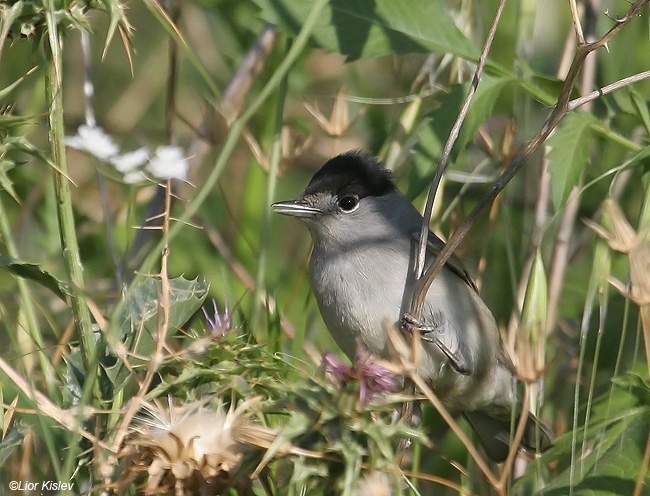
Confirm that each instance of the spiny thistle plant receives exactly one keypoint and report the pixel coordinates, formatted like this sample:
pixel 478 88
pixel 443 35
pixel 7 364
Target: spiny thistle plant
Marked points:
pixel 331 427
pixel 186 452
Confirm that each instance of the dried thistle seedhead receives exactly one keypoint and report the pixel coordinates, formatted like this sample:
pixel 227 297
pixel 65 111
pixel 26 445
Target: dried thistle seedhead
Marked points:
pixel 525 349
pixel 640 275
pixel 622 237
pixel 186 450
pixel 522 357
pixel 339 122
pixel 374 484
pixel 625 239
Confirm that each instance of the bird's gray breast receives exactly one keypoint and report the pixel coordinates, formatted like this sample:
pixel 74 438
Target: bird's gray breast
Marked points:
pixel 357 290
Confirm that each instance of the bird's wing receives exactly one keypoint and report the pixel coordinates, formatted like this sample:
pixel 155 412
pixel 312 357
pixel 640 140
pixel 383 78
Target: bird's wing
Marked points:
pixel 434 246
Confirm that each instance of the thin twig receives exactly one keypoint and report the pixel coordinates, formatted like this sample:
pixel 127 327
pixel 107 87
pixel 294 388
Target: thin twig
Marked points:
pixel 451 140
pixel 172 77
pixel 577 26
pixel 235 93
pixel 155 209
pixel 516 440
pixel 605 90
pixel 162 328
pixel 234 96
pixel 407 368
pixel 638 486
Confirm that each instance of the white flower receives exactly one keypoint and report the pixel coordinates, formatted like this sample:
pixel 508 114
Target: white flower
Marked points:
pixel 169 163
pixel 93 140
pixel 127 162
pixel 132 177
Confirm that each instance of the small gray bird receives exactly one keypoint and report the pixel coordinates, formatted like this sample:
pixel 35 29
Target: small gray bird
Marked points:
pixel 365 236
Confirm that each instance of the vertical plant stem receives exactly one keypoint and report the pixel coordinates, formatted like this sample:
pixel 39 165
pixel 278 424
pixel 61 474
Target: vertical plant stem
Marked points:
pixel 276 156
pixel 91 121
pixel 27 308
pixel 69 244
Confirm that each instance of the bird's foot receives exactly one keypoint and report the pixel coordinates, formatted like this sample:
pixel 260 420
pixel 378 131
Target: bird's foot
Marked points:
pixel 431 334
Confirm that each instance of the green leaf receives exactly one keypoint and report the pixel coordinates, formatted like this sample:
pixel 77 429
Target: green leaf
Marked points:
pixel 434 135
pixel 6 183
pixel 487 93
pixel 569 154
pixel 21 144
pixel 369 29
pixel 11 441
pixel 143 308
pixel 614 444
pixel 612 466
pixel 641 107
pixel 35 273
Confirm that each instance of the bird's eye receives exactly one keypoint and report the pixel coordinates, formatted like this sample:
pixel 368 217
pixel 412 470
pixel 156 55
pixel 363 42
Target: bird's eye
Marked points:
pixel 348 203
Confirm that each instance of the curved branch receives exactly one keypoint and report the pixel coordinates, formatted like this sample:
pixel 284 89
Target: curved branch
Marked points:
pixel 418 299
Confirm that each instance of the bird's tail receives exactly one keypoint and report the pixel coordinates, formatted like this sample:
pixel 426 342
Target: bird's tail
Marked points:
pixel 494 434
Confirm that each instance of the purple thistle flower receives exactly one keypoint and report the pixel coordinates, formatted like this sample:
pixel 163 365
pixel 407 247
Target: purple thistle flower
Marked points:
pixel 372 377
pixel 218 324
pixel 333 365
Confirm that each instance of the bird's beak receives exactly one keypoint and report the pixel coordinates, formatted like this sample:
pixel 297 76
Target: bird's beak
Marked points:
pixel 295 208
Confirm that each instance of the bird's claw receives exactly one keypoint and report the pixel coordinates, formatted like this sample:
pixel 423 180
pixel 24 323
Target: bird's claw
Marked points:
pixel 428 333
pixel 410 324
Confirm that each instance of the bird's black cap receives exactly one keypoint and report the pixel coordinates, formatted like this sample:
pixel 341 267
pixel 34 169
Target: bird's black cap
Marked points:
pixel 352 172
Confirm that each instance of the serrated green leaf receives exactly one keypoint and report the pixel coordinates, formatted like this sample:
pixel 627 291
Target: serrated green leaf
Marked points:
pixel 9 121
pixel 21 144
pixel 35 273
pixel 117 15
pixel 615 441
pixel 611 467
pixel 139 321
pixel 11 441
pixel 6 183
pixel 142 309
pixel 369 29
pixel 569 154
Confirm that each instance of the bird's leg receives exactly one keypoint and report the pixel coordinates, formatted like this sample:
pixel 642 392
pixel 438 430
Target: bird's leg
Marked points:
pixel 432 333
